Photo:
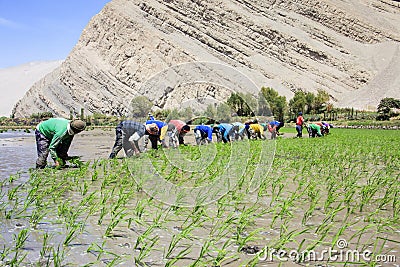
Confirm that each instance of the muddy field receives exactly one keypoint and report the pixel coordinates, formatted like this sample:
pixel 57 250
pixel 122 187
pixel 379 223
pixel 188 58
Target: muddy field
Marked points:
pixel 18 148
pixel 337 194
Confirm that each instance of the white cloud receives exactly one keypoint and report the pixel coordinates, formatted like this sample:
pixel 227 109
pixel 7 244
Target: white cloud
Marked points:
pixel 8 23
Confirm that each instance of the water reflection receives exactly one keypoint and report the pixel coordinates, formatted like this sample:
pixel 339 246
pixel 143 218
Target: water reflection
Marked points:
pixel 17 152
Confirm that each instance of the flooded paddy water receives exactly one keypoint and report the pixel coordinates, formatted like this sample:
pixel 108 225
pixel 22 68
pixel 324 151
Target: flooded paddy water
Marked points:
pixel 343 197
pixel 18 149
pixel 17 152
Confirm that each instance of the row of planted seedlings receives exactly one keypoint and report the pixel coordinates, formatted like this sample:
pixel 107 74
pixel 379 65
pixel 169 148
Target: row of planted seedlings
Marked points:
pixel 341 191
pixel 57 215
pixel 317 192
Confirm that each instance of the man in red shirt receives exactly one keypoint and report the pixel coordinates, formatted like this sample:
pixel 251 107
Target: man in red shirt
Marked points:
pixel 299 125
pixel 182 129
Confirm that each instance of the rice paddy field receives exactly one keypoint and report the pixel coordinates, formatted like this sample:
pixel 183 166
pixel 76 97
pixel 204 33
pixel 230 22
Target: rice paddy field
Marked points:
pixel 331 201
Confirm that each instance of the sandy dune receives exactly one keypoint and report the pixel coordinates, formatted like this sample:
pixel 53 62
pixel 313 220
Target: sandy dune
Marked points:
pixel 16 81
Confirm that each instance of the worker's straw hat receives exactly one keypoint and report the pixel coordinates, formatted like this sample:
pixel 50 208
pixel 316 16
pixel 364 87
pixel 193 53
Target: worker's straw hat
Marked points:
pixel 77 126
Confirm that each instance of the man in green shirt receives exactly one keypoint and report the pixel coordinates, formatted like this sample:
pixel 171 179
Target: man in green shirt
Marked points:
pixel 314 130
pixel 54 136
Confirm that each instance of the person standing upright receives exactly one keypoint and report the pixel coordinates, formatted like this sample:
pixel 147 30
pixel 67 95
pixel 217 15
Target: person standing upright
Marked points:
pixel 299 125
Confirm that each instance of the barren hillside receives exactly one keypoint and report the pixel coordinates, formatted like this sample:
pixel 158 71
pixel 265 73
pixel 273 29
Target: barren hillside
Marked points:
pixel 350 48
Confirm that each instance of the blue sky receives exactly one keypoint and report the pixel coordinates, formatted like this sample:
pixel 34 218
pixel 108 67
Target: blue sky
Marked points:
pixel 41 30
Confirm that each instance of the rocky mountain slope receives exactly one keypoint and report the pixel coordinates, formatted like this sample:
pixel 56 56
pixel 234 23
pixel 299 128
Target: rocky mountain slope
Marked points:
pixel 349 48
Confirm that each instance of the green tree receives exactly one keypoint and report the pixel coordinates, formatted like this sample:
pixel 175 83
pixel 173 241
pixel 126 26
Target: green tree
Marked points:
pixel 250 104
pixel 187 113
pixel 280 108
pixel 172 114
pixel 310 102
pixel 141 106
pixel 321 100
pixel 385 107
pixel 298 102
pixel 210 111
pixel 236 103
pixel 224 113
pixel 277 105
pixel 270 95
pixel 263 108
pixel 243 105
pixel 42 115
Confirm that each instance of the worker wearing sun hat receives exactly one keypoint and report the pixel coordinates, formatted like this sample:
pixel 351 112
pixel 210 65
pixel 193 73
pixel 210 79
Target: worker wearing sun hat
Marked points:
pixel 54 136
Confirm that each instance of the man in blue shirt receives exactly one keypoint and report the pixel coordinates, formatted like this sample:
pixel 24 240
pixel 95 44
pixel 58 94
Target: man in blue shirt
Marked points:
pixel 203 134
pixel 224 132
pixel 273 128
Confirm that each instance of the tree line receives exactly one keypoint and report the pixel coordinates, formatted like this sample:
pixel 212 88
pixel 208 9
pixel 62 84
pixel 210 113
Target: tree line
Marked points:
pixel 268 102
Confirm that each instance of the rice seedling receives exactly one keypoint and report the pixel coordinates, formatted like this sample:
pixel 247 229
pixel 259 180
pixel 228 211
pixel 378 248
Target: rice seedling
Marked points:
pixel 58 256
pixel 310 200
pixel 145 250
pixel 223 253
pixel 171 261
pixel 4 253
pixel 19 240
pixel 72 232
pixel 46 248
pixel 37 216
pixel 242 239
pixel 174 241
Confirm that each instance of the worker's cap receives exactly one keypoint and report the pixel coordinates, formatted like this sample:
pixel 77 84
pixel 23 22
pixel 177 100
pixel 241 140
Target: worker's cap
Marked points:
pixel 152 128
pixel 77 126
pixel 300 113
pixel 185 128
